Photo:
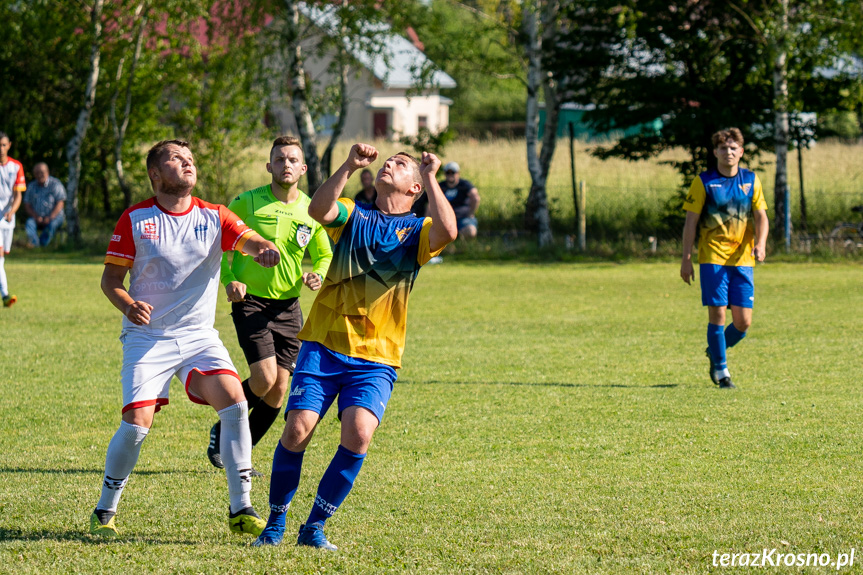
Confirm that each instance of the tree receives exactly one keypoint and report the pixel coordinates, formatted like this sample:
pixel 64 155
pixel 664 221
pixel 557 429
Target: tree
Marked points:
pixel 698 67
pixel 73 148
pixel 539 28
pixel 139 21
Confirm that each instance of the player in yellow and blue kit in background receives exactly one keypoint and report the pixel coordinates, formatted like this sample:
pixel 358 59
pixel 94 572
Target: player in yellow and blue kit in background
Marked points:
pixel 355 334
pixel 727 203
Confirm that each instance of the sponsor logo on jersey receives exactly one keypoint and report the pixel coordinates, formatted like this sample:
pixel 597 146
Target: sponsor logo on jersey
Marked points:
pixel 715 186
pixel 402 233
pixel 201 232
pixel 115 238
pixel 150 231
pixel 304 235
pixel 746 188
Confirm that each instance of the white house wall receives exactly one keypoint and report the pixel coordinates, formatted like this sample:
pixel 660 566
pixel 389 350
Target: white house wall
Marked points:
pixel 367 95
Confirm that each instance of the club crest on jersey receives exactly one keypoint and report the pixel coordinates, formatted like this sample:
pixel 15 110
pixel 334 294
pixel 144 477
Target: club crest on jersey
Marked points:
pixel 746 188
pixel 201 232
pixel 304 235
pixel 150 231
pixel 402 233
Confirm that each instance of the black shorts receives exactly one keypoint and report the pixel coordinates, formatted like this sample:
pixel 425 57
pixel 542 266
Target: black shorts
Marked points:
pixel 268 327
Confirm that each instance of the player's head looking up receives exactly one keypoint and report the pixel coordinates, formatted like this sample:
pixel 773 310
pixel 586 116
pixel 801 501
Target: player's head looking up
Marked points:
pixel 728 149
pixel 171 167
pixel 287 163
pixel 400 174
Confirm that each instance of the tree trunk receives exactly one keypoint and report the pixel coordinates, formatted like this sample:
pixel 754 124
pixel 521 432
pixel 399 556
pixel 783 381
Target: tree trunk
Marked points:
pixel 326 159
pixel 780 132
pixel 537 217
pixel 120 128
pixel 73 148
pixel 299 102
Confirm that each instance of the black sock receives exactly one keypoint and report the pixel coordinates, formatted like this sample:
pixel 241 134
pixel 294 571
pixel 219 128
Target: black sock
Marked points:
pixel 261 419
pixel 251 398
pixel 104 515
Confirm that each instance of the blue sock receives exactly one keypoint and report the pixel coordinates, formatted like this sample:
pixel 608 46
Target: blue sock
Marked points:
pixel 716 343
pixel 284 481
pixel 733 336
pixel 335 484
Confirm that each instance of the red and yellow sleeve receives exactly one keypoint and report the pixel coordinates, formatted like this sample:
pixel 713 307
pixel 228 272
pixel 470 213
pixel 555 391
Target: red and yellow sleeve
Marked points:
pixel 121 249
pixel 20 182
pixel 235 233
pixel 696 197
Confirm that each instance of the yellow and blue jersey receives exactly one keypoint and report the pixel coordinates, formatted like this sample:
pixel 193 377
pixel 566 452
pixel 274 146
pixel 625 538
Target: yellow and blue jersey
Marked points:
pixel 727 206
pixel 361 309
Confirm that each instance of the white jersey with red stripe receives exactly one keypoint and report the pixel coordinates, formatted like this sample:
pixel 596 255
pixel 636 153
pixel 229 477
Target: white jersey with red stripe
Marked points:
pixel 174 260
pixel 11 180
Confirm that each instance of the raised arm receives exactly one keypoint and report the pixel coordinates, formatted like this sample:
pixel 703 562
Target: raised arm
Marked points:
pixel 443 229
pixel 687 273
pixel 323 206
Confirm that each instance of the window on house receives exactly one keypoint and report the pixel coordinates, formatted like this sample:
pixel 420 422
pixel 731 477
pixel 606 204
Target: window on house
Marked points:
pixel 422 122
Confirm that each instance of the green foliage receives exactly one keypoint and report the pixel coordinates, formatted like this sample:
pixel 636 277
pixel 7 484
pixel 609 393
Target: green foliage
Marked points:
pixel 580 437
pixel 839 124
pixel 426 141
pixel 698 66
pixel 474 47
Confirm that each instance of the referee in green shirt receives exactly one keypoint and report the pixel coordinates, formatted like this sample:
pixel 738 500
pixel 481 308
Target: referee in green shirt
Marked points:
pixel 265 305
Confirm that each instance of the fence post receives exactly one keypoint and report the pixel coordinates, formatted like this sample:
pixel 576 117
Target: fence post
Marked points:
pixel 582 218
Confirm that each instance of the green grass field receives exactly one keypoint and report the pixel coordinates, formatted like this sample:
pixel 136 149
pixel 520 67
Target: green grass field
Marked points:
pixel 549 419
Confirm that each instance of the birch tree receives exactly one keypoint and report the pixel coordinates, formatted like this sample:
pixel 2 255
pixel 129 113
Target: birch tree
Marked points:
pixel 73 148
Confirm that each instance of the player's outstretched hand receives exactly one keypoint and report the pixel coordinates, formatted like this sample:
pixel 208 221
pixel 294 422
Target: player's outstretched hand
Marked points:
pixel 268 258
pixel 236 291
pixel 312 280
pixel 429 165
pixel 687 272
pixel 138 312
pixel 361 156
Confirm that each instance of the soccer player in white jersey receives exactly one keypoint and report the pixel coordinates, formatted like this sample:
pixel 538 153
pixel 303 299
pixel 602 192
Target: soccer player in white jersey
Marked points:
pixel 12 184
pixel 171 245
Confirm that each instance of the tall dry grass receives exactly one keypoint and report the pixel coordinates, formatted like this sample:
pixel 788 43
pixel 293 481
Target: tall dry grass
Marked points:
pixel 622 196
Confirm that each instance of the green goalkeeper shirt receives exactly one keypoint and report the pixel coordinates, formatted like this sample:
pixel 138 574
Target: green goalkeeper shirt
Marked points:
pixel 290 227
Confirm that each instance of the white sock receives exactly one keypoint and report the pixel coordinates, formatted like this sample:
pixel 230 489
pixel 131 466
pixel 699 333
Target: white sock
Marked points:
pixel 236 448
pixel 4 288
pixel 120 460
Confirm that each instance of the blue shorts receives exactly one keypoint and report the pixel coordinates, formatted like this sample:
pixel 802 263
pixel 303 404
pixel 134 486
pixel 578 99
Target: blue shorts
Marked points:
pixel 465 222
pixel 727 285
pixel 322 374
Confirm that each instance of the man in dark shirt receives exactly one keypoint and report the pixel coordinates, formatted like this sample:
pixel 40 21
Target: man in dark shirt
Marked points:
pixel 462 196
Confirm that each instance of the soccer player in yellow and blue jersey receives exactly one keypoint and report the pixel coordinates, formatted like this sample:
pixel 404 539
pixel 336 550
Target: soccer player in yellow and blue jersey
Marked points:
pixel 355 334
pixel 727 203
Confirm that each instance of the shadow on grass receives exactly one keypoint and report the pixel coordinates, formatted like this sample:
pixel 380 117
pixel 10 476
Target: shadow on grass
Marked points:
pixel 537 384
pixel 101 471
pixel 81 537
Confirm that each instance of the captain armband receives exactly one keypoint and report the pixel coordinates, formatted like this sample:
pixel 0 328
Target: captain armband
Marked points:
pixel 341 218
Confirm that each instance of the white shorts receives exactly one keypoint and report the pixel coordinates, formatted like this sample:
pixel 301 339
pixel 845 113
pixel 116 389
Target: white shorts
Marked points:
pixel 6 229
pixel 149 363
